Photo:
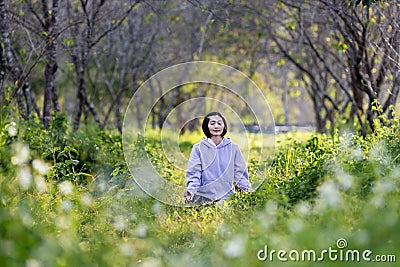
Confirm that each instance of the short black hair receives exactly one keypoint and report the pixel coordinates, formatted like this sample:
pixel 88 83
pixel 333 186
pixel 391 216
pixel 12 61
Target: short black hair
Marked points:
pixel 206 120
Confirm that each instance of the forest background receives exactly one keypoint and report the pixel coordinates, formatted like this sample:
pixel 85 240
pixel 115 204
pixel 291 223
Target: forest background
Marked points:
pixel 68 70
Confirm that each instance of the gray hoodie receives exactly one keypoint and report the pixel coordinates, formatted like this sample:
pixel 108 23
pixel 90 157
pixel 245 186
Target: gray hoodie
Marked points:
pixel 212 169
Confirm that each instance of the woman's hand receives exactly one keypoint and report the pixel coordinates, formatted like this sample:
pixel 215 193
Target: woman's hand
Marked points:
pixel 187 196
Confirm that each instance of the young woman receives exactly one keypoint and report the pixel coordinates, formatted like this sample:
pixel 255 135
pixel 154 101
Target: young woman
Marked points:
pixel 215 163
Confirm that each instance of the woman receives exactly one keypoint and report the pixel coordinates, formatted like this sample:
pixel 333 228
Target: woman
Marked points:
pixel 215 163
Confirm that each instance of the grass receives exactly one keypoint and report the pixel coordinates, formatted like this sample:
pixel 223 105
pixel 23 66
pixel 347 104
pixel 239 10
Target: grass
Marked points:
pixel 67 199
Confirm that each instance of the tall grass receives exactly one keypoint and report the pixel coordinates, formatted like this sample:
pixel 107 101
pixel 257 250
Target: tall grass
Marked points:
pixel 67 199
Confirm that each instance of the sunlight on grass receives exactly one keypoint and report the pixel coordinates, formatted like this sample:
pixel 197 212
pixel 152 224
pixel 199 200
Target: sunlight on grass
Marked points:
pixel 317 191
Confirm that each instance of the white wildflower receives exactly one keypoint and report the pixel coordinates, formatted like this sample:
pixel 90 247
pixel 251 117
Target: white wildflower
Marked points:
pixel 271 208
pixel 33 263
pixel 383 187
pixel 295 225
pixel 22 155
pixel 357 153
pixel 150 262
pixel 40 184
pixel 345 180
pixel 86 199
pixel 102 186
pixel 235 247
pixel 127 249
pixel 303 208
pixel 12 129
pixel 119 223
pixel 66 187
pixel 40 166
pixel 62 222
pixel 67 205
pixel 156 208
pixel 141 230
pixel 329 193
pixel 26 218
pixel 24 177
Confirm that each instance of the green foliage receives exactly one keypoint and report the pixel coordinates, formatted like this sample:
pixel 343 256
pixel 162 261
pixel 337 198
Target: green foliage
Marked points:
pixel 298 168
pixel 319 188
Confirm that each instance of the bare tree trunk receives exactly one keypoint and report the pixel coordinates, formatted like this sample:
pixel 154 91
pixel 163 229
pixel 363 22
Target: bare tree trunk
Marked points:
pixel 51 20
pixel 3 64
pixel 81 103
pixel 84 41
pixel 139 115
pixel 11 64
pixel 29 99
pixel 319 122
pixel 285 100
pixel 203 33
pixel 118 122
pixel 2 94
pixel 153 112
pixel 122 88
pixel 84 103
pixel 392 99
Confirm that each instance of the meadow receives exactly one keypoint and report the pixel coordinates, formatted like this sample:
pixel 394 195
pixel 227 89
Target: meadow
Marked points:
pixel 68 199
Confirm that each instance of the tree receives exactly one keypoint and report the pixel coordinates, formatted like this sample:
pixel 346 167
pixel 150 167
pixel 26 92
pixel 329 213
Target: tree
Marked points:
pixel 367 58
pixel 125 60
pixel 337 50
pixel 87 29
pixel 48 22
pixel 11 63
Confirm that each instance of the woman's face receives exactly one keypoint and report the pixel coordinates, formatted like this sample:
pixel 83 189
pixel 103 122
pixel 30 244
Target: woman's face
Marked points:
pixel 216 125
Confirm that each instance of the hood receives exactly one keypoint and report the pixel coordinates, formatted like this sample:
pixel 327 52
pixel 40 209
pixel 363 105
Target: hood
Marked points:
pixel 207 142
